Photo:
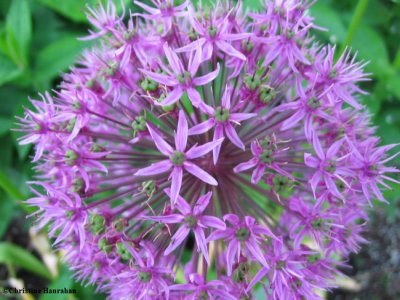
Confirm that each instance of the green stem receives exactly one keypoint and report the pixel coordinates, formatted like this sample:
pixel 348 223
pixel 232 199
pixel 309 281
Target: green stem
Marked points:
pixel 354 24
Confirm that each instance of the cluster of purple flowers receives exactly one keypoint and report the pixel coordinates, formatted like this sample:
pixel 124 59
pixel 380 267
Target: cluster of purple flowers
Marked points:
pixel 206 153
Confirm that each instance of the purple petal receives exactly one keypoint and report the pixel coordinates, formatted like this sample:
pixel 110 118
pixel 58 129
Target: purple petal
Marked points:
pixel 192 46
pixel 202 127
pixel 182 132
pixel 315 180
pixel 228 49
pixel 226 99
pixel 317 147
pixel 176 184
pixel 161 145
pixel 246 165
pixel 293 120
pixel 180 204
pixel 169 219
pixel 202 203
pixel 195 62
pixel 258 173
pixel 202 80
pixel 172 97
pixel 154 169
pixel 232 218
pixel 194 96
pixel 199 173
pixel 233 136
pixel 160 78
pixel 311 161
pixel 231 252
pixel 218 134
pixel 255 250
pixel 177 239
pixel 259 276
pixel 220 234
pixel 201 243
pixel 330 184
pixel 214 222
pixel 173 59
pixel 238 117
pixel 208 51
pixel 198 151
pixel 235 36
pixel 334 148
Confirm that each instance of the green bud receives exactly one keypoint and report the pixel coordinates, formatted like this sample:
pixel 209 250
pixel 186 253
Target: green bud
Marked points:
pixel 266 94
pixel 242 234
pixel 221 114
pixel 123 252
pixel 178 158
pixel 70 157
pixel 144 276
pixel 149 187
pixel 267 156
pixel 149 85
pixel 252 82
pixel 71 124
pixel 104 246
pixel 78 185
pixel 190 221
pixel 97 223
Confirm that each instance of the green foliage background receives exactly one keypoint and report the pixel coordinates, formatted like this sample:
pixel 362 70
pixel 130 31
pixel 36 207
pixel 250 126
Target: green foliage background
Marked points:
pixel 38 40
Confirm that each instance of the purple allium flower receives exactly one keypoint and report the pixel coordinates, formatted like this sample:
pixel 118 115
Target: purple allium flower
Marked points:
pixel 220 144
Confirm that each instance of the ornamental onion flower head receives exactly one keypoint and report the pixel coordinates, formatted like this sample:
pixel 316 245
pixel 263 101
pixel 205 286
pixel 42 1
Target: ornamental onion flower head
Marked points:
pixel 204 153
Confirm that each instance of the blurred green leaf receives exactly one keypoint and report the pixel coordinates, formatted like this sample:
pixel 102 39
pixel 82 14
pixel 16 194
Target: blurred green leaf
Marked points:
pixel 71 9
pixel 15 255
pixel 8 70
pixel 19 31
pixel 10 188
pixel 253 5
pixel 371 47
pixel 6 152
pixel 5 125
pixel 64 280
pixel 393 86
pixel 328 18
pixel 57 57
pixel 75 9
pixel 377 13
pixel 389 129
pixel 7 207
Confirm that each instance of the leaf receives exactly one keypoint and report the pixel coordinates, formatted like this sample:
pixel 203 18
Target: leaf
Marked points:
pixel 328 18
pixel 393 86
pixel 75 9
pixel 7 207
pixel 18 256
pixel 56 57
pixel 253 5
pixel 10 188
pixel 389 131
pixel 19 31
pixel 371 47
pixel 5 125
pixel 72 9
pixel 64 280
pixel 8 70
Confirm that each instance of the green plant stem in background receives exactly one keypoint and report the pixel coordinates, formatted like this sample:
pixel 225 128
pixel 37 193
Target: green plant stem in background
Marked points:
pixel 354 24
